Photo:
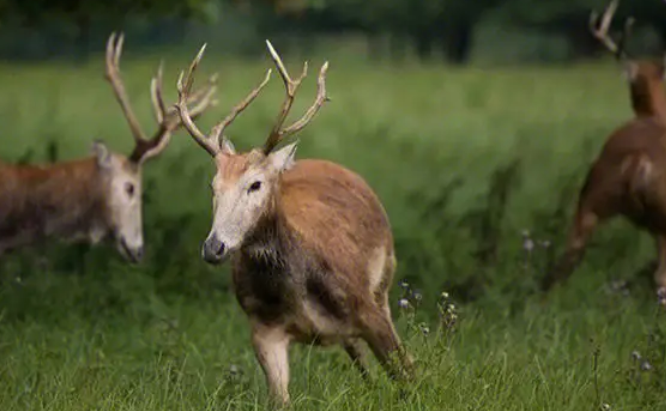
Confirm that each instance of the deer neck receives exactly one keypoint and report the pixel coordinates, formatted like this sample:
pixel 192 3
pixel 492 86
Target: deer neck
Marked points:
pixel 271 240
pixel 648 99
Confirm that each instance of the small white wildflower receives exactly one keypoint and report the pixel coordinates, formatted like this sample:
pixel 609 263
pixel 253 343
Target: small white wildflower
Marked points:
pixel 528 244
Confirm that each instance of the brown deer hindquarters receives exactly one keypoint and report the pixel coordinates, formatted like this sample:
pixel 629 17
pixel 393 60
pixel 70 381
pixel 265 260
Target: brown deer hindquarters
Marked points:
pixel 626 179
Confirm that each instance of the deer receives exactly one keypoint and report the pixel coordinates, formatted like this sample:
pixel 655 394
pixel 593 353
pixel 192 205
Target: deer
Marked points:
pixel 310 244
pixel 628 178
pixel 95 198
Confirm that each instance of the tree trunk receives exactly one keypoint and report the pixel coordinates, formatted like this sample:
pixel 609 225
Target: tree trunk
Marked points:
pixel 83 37
pixel 662 37
pixel 375 46
pixel 397 47
pixel 423 44
pixel 458 40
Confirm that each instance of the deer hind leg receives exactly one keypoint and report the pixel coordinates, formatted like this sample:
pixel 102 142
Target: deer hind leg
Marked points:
pixel 271 346
pixel 375 317
pixel 378 331
pixel 355 351
pixel 585 222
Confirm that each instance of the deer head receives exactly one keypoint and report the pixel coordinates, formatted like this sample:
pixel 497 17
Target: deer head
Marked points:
pixel 645 77
pixel 121 175
pixel 245 185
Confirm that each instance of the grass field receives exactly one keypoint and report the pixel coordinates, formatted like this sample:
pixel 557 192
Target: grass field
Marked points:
pixel 464 161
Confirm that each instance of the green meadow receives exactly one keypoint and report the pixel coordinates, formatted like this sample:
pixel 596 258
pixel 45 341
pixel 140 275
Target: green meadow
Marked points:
pixel 479 170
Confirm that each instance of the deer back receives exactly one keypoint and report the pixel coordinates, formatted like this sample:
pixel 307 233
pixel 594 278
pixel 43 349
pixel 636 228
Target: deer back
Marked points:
pixel 335 214
pixel 36 202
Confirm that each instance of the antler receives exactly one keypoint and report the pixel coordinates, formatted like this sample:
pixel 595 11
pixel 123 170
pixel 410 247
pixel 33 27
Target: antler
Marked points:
pixel 599 27
pixel 212 142
pixel 291 86
pixel 168 119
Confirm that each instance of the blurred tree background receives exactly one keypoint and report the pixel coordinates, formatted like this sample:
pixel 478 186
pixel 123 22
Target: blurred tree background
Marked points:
pixel 454 31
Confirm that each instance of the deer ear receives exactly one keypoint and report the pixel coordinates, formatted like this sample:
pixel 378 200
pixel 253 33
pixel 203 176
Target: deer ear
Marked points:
pixel 283 159
pixel 227 146
pixel 630 70
pixel 102 154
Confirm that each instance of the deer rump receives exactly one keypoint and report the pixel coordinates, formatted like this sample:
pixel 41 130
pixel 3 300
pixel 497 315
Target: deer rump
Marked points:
pixel 628 176
pixel 329 210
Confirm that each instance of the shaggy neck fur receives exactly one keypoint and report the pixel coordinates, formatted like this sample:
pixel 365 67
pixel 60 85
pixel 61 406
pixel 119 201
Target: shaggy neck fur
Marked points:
pixel 271 239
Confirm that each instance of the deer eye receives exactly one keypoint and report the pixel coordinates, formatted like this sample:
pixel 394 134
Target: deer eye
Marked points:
pixel 254 186
pixel 129 189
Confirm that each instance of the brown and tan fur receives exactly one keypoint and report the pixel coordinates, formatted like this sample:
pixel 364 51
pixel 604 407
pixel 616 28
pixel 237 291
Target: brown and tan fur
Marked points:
pixel 67 200
pixel 646 87
pixel 311 248
pixel 629 176
pixel 318 265
pixel 94 198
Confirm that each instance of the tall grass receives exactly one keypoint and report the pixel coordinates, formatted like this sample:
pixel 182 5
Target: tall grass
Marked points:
pixel 472 165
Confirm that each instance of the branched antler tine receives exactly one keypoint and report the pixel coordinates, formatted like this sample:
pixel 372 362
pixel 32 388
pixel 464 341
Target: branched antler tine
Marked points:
pixel 626 32
pixel 218 130
pixel 278 62
pixel 204 102
pixel 113 52
pixel 600 27
pixel 291 86
pixel 314 109
pixel 184 86
pixel 169 119
pixel 156 96
pixel 202 98
pixel 204 90
pixel 119 49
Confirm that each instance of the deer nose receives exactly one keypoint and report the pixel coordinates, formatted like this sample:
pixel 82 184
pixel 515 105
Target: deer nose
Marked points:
pixel 213 250
pixel 138 253
pixel 132 253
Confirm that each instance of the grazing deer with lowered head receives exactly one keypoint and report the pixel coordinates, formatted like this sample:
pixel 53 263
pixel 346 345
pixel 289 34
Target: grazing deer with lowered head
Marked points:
pixel 92 198
pixel 311 245
pixel 629 176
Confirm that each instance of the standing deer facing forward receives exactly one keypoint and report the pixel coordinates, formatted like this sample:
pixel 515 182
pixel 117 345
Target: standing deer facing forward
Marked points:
pixel 92 198
pixel 629 176
pixel 311 246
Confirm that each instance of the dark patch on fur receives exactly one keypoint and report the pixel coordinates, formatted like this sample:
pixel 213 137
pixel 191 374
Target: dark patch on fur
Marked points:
pixel 320 292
